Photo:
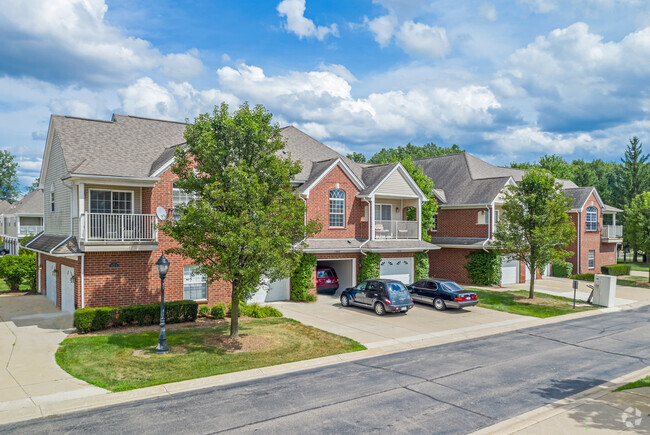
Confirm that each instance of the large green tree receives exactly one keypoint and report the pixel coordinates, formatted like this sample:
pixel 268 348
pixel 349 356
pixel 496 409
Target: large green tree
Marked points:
pixel 8 177
pixel 637 224
pixel 429 208
pixel 401 153
pixel 535 227
pixel 357 157
pixel 634 172
pixel 32 187
pixel 246 222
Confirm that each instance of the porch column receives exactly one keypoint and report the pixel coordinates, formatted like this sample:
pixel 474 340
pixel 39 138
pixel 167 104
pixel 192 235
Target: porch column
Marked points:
pixel 419 218
pixel 372 218
pixel 614 219
pixel 81 209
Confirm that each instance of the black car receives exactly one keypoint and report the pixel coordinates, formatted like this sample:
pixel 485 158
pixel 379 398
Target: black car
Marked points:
pixel 442 294
pixel 382 295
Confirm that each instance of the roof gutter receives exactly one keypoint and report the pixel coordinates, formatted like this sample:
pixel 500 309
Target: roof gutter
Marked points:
pixel 489 229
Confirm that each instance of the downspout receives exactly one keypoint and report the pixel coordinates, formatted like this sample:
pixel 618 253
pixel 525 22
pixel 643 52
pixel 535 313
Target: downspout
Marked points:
pixel 369 227
pixel 578 239
pixel 83 275
pixel 487 207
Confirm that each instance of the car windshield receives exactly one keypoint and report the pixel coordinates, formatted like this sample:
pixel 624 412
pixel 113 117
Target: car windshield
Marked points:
pixel 395 288
pixel 452 286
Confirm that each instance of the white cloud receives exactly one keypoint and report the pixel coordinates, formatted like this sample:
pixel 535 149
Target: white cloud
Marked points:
pixel 383 28
pixel 149 99
pixel 515 140
pixel 423 40
pixel 339 70
pixel 488 11
pixel 182 66
pixel 541 6
pixel 294 11
pixel 69 40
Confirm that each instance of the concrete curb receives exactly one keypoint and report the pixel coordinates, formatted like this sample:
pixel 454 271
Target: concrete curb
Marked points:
pixel 531 418
pixel 21 413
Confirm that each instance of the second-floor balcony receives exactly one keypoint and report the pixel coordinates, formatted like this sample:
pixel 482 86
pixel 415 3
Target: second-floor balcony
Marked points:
pixel 26 230
pixel 118 228
pixel 610 232
pixel 392 229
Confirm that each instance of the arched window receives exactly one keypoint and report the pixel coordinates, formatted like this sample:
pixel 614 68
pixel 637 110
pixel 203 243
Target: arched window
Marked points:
pixel 337 208
pixel 592 219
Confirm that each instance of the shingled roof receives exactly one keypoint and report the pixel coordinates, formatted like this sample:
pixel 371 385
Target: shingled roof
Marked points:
pixel 463 179
pixel 32 203
pixel 4 207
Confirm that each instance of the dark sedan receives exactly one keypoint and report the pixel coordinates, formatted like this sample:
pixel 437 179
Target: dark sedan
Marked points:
pixel 382 295
pixel 442 294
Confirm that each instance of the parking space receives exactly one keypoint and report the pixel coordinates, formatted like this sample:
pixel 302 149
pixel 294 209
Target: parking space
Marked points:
pixel 345 270
pixel 420 323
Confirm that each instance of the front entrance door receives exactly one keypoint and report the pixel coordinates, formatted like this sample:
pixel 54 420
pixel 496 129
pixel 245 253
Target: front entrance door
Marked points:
pixel 50 281
pixel 67 289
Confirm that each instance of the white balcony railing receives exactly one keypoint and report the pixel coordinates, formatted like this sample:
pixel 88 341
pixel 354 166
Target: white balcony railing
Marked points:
pixel 109 227
pixel 612 232
pixel 30 229
pixel 385 229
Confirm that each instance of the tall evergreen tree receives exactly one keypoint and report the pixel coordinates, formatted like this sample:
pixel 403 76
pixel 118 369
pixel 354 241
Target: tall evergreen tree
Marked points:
pixel 634 176
pixel 8 177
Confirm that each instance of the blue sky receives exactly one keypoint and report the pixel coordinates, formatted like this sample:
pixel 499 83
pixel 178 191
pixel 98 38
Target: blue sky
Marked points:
pixel 508 81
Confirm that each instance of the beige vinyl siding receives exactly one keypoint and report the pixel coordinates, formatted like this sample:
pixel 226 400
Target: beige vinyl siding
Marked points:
pixel 57 222
pixel 395 185
pixel 137 195
pixel 30 220
pixel 12 228
pixel 395 204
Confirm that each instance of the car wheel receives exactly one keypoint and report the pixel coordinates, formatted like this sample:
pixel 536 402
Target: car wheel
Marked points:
pixel 380 310
pixel 345 300
pixel 439 304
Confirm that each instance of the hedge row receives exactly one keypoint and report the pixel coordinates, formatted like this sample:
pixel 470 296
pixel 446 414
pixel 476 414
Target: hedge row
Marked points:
pixel 255 310
pixel 94 319
pixel 616 269
pixel 562 269
pixel 583 277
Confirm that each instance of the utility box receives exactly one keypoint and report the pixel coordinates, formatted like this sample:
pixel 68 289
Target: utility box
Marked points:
pixel 604 290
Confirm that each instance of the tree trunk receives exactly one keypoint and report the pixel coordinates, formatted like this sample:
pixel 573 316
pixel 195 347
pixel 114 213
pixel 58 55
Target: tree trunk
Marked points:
pixel 531 291
pixel 648 264
pixel 234 312
pixel 635 258
pixel 624 255
pixel 645 258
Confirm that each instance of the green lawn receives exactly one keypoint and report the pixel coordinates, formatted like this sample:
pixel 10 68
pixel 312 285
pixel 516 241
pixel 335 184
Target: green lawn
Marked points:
pixel 645 382
pixel 5 288
pixel 515 302
pixel 122 362
pixel 633 281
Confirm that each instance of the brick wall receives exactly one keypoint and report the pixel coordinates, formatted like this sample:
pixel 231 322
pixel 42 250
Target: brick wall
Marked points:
pixel 448 263
pixel 460 223
pixel 318 207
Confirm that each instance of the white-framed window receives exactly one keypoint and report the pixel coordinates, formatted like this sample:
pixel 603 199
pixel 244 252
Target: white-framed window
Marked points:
pixel 383 212
pixel 108 201
pixel 592 259
pixel 434 227
pixel 496 215
pixel 337 208
pixel 592 219
pixel 195 284
pixel 483 218
pixel 52 197
pixel 179 198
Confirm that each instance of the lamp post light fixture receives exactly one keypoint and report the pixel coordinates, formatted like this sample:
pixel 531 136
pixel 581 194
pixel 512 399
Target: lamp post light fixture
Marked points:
pixel 163 266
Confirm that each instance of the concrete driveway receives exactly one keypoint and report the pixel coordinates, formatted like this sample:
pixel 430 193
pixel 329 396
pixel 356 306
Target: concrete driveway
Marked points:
pixel 31 329
pixel 419 324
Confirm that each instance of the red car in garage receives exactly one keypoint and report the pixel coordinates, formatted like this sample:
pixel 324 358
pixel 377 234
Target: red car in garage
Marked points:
pixel 326 279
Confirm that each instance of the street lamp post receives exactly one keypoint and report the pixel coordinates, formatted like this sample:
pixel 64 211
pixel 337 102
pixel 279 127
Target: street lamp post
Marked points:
pixel 163 266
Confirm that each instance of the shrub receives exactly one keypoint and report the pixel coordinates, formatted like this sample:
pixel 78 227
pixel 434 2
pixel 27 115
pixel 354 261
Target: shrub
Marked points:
pixel 562 269
pixel 583 276
pixel 204 310
pixel 14 269
pixel 93 319
pixel 421 265
pixel 484 267
pixel 242 308
pixel 219 311
pixel 259 312
pixel 369 268
pixel 616 269
pixel 301 279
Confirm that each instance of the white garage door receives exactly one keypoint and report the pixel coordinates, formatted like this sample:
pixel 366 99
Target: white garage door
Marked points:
pixel 67 289
pixel 276 291
pixel 400 269
pixel 50 281
pixel 509 272
pixel 527 273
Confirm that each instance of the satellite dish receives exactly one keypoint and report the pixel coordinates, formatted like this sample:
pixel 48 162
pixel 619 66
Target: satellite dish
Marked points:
pixel 161 213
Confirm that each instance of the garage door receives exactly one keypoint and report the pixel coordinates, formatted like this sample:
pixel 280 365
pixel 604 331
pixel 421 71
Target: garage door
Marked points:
pixel 509 272
pixel 275 291
pixel 50 281
pixel 67 289
pixel 400 269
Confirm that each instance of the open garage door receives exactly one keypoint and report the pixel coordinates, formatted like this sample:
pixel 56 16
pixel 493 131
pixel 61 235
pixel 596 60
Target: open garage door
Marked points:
pixel 345 269
pixel 400 269
pixel 509 271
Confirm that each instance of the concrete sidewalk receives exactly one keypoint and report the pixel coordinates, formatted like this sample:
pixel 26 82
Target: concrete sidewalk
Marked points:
pixel 597 410
pixel 31 329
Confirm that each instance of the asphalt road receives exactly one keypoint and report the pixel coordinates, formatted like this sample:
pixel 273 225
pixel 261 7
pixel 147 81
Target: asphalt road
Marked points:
pixel 454 388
